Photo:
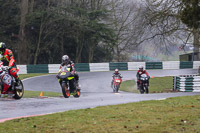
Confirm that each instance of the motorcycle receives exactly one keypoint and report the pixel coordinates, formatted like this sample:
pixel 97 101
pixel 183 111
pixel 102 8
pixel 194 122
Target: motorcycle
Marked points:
pixel 116 85
pixel 143 85
pixel 8 84
pixel 65 78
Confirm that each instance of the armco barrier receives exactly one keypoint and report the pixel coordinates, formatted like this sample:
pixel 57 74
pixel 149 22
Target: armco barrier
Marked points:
pixel 171 65
pixel 99 67
pixel 82 67
pixel 154 65
pixel 135 65
pixel 189 83
pixel 53 68
pixel 186 64
pixel 120 66
pixel 22 69
pixel 43 68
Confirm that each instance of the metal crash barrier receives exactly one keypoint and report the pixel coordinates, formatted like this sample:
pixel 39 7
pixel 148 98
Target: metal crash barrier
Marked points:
pixel 187 83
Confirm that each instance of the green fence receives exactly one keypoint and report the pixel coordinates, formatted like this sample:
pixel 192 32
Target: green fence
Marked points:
pixel 120 66
pixel 154 65
pixel 82 67
pixel 186 64
pixel 43 68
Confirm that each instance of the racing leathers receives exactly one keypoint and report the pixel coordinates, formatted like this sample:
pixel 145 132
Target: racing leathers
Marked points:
pixel 113 76
pixel 138 75
pixel 75 82
pixel 8 60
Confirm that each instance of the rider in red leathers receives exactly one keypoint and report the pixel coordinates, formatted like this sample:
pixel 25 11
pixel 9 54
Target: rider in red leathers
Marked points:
pixel 8 60
pixel 116 73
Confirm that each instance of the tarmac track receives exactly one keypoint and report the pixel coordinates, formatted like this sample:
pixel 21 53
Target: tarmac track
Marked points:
pixel 95 91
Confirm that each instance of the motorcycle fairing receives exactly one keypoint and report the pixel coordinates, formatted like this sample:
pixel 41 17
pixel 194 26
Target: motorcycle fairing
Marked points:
pixel 7 82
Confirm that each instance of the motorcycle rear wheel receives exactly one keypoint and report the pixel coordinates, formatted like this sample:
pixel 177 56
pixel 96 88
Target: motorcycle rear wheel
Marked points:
pixel 65 90
pixel 18 93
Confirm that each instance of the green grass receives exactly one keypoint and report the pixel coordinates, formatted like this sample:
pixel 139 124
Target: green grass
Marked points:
pixel 174 115
pixel 129 86
pixel 156 85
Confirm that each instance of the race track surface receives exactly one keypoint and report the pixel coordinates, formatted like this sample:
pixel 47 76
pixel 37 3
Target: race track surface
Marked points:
pixel 95 91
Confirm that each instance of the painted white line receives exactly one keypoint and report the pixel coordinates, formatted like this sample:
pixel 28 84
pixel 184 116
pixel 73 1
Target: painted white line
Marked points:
pixel 37 77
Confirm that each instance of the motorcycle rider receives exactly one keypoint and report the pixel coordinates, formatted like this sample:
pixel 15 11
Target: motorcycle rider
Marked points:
pixel 8 60
pixel 139 73
pixel 67 62
pixel 115 74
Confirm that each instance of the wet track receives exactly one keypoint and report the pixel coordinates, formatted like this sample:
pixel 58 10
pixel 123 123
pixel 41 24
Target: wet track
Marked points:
pixel 95 91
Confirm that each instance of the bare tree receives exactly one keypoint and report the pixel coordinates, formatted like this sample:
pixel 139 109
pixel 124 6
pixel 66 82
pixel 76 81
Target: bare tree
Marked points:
pixel 22 45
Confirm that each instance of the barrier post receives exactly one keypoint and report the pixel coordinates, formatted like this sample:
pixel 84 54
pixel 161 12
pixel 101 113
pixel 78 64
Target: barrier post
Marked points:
pixel 174 84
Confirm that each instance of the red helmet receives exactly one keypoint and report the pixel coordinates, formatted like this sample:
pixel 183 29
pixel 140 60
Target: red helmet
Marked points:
pixel 116 71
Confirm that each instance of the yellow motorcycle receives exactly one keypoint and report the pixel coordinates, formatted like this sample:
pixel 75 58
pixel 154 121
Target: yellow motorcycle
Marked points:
pixel 67 82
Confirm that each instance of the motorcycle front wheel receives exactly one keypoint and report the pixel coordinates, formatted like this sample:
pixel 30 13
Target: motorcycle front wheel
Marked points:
pixel 18 93
pixel 146 89
pixel 78 93
pixel 116 88
pixel 141 89
pixel 65 90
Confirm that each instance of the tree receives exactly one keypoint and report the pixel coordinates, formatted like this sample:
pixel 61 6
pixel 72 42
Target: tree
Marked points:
pixel 170 21
pixel 190 15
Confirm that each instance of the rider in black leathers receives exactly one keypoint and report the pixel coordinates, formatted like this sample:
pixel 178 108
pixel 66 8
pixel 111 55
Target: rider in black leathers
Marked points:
pixel 67 62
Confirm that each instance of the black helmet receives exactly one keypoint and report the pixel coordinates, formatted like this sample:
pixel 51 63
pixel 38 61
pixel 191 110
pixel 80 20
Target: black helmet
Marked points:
pixel 2 47
pixel 65 59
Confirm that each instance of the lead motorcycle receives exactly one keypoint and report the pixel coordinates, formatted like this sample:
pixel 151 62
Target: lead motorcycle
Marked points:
pixel 143 84
pixel 8 84
pixel 65 78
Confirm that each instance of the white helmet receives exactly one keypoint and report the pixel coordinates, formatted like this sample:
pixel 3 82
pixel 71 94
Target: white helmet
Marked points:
pixel 65 59
pixel 141 67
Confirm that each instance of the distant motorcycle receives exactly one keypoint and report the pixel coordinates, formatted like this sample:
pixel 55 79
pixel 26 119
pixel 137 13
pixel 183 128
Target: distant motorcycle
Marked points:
pixel 65 77
pixel 8 83
pixel 143 84
pixel 116 85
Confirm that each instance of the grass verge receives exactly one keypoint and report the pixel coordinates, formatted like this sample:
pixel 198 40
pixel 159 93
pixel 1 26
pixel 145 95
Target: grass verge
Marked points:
pixel 174 115
pixel 156 85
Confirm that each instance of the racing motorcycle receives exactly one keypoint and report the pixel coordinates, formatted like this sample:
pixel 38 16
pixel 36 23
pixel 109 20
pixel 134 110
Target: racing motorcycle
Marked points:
pixel 143 84
pixel 66 80
pixel 116 85
pixel 8 84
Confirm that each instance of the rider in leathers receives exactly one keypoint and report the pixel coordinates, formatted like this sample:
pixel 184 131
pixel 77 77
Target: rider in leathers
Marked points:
pixel 8 60
pixel 115 74
pixel 139 73
pixel 67 62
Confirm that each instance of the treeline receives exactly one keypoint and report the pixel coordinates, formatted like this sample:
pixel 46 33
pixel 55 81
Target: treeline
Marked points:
pixel 41 31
